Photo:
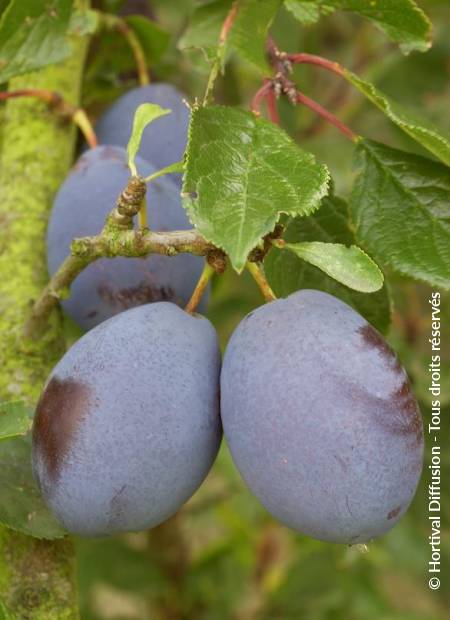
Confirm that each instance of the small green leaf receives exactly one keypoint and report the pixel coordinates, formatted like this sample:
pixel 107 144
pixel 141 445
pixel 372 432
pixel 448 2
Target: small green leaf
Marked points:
pixel 420 129
pixel 241 173
pixel 400 208
pixel 14 419
pixel 21 505
pixel 33 35
pixel 350 266
pixel 401 20
pixel 153 39
pixel 175 168
pixel 145 114
pixel 287 273
pixel 249 31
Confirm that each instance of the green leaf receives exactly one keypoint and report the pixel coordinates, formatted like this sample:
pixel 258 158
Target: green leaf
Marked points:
pixel 33 35
pixel 249 31
pixel 21 506
pixel 307 11
pixel 421 130
pixel 14 419
pixel 400 208
pixel 241 173
pixel 401 20
pixel 287 273
pixel 204 26
pixel 153 39
pixel 145 114
pixel 350 266
pixel 83 22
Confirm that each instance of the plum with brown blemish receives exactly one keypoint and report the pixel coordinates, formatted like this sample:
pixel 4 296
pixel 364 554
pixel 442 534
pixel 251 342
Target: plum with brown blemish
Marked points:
pixel 111 285
pixel 321 419
pixel 128 424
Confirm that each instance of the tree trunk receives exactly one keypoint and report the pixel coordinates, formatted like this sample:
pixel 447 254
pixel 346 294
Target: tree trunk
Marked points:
pixel 36 577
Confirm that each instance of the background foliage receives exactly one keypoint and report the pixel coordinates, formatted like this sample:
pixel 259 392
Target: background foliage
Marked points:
pixel 223 557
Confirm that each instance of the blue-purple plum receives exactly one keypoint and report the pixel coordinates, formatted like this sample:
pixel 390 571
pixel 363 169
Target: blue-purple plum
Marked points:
pixel 110 286
pixel 164 140
pixel 320 418
pixel 128 424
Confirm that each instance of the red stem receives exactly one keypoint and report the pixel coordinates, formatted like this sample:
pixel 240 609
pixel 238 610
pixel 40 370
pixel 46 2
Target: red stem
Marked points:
pixel 60 107
pixel 227 24
pixel 312 59
pixel 271 101
pixel 260 95
pixel 47 96
pixel 331 118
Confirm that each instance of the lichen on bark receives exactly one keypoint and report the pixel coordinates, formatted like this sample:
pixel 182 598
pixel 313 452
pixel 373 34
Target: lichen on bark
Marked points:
pixel 36 577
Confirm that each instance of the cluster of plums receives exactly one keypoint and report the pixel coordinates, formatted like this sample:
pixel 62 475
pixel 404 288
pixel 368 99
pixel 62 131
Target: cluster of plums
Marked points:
pixel 315 407
pixel 110 286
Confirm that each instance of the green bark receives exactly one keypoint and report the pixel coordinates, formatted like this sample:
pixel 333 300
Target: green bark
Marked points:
pixel 36 577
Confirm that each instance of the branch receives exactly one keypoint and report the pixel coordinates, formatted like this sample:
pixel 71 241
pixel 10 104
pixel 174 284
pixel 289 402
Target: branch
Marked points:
pixel 312 59
pixel 109 243
pixel 282 64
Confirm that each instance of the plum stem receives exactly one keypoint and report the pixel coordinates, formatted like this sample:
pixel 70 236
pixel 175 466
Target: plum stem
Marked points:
pixel 113 22
pixel 81 119
pixel 142 214
pixel 205 277
pixel 258 274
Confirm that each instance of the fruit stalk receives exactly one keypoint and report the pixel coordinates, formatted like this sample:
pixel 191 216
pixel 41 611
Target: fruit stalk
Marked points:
pixel 205 277
pixel 260 279
pixel 37 577
pixel 112 22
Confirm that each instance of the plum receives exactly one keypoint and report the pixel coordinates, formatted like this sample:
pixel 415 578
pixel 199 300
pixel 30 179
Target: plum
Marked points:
pixel 320 418
pixel 110 286
pixel 128 424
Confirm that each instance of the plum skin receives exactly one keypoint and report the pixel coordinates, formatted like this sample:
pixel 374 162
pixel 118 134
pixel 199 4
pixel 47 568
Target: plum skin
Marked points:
pixel 320 418
pixel 109 286
pixel 128 424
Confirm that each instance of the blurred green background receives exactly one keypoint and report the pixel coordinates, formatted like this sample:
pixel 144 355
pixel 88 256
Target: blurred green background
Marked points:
pixel 223 557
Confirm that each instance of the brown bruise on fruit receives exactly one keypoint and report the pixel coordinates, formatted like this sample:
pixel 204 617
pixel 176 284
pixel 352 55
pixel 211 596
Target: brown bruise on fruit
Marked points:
pixel 375 340
pixel 400 411
pixel 394 512
pixel 135 296
pixel 60 410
